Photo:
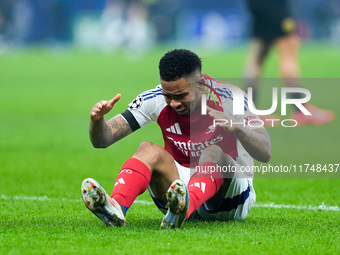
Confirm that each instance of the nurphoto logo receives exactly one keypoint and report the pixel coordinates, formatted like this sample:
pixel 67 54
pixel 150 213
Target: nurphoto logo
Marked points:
pixel 239 102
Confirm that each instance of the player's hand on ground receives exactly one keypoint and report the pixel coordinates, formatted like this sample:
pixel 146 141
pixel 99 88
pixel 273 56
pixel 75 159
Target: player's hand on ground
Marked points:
pixel 103 107
pixel 223 120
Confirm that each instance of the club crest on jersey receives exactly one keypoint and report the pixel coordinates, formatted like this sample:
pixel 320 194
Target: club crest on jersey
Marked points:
pixel 211 129
pixel 136 103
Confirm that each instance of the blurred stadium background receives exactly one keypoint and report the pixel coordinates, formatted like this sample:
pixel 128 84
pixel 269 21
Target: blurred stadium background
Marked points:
pixel 140 24
pixel 59 57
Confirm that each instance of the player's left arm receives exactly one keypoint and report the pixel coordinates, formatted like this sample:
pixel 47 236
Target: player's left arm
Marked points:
pixel 255 141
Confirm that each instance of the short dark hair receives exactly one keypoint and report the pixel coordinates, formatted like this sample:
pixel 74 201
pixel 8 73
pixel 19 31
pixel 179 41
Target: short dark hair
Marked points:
pixel 178 63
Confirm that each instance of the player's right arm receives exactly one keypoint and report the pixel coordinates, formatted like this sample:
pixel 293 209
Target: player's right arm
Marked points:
pixel 104 133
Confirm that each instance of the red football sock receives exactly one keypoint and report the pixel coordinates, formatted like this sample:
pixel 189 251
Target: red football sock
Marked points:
pixel 202 186
pixel 132 180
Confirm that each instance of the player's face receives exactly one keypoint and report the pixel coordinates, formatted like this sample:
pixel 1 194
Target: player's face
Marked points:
pixel 178 95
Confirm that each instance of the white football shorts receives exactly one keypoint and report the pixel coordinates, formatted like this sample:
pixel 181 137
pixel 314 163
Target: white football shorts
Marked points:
pixel 235 205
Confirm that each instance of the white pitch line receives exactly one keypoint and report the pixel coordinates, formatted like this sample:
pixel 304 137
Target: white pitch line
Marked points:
pixel 321 207
pixel 45 198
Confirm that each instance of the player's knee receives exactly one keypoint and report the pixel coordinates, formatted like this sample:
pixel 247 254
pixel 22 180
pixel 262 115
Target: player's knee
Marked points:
pixel 147 147
pixel 212 154
pixel 150 152
pixel 289 69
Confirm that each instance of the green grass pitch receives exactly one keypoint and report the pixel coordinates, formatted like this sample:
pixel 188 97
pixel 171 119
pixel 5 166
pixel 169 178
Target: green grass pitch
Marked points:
pixel 45 153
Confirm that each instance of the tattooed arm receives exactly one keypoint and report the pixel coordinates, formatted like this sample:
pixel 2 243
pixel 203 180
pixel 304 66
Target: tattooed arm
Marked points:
pixel 256 142
pixel 102 133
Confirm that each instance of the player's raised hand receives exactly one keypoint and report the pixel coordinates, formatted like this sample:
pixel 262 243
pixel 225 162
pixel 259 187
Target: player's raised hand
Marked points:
pixel 103 107
pixel 223 120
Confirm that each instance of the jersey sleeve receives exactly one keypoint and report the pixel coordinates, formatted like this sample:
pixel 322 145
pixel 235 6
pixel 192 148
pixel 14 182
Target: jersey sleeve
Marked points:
pixel 251 120
pixel 145 108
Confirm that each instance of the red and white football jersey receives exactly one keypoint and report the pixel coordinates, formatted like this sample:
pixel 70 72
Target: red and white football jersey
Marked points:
pixel 185 137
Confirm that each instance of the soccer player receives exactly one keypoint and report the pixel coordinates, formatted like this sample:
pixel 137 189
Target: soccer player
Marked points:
pixel 272 24
pixel 183 178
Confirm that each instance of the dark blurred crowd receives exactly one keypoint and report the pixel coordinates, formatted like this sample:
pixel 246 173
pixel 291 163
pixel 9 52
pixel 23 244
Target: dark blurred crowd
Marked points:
pixel 142 22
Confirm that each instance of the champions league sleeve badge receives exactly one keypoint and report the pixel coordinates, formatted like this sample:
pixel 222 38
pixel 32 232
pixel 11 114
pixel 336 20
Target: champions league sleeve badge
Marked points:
pixel 136 103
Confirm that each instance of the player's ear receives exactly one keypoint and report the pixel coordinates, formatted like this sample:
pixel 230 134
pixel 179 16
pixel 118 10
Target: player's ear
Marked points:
pixel 203 80
pixel 200 82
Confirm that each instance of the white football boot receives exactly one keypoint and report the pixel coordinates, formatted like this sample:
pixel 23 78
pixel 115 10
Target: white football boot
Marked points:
pixel 178 205
pixel 102 205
